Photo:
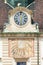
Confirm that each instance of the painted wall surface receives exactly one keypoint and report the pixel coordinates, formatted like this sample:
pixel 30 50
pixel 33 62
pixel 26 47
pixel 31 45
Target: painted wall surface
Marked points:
pixel 21 48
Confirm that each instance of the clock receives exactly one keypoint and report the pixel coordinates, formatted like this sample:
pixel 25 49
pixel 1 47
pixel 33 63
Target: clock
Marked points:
pixel 20 18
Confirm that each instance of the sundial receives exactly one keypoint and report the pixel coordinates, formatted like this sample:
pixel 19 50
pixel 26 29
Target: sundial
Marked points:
pixel 22 48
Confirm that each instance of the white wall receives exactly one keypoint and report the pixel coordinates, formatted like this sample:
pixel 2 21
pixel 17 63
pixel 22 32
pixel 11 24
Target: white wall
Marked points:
pixel 41 50
pixel 29 61
pixel 1 51
pixel 13 62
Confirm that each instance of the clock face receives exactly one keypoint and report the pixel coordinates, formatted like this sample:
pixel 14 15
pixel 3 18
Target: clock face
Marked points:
pixel 20 18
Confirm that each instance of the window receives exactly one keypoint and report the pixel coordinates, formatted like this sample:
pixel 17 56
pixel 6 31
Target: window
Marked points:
pixel 21 63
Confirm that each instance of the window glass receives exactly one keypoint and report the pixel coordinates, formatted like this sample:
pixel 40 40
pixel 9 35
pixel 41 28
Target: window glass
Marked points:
pixel 21 63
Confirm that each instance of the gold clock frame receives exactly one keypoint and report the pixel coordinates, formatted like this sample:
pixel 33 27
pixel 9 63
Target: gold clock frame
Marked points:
pixel 23 9
pixel 11 12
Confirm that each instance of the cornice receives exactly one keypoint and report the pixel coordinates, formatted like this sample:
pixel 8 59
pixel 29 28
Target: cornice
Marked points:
pixel 21 34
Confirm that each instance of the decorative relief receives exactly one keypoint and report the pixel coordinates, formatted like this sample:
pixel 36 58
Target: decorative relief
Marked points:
pixel 20 21
pixel 21 48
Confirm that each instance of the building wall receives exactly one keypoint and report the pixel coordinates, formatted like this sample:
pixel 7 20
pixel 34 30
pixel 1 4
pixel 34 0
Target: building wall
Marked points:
pixel 1 51
pixel 13 27
pixel 41 50
pixel 38 14
pixel 3 14
pixel 35 59
pixel 6 60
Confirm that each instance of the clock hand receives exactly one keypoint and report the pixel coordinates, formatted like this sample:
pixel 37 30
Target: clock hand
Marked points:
pixel 20 19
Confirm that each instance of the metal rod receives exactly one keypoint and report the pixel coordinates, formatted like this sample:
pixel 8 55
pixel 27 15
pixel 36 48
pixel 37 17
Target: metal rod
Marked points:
pixel 30 4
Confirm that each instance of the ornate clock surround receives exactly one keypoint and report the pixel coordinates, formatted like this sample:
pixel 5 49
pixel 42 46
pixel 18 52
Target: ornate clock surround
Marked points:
pixel 11 12
pixel 24 10
pixel 13 27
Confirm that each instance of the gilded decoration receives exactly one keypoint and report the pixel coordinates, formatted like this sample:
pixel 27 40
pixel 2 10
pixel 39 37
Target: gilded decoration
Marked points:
pixel 11 12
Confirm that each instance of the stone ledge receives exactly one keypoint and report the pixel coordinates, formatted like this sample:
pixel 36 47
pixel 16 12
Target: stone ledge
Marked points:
pixel 28 35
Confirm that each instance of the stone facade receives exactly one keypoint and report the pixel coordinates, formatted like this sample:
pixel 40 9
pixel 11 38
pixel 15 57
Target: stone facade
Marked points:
pixel 13 27
pixel 38 14
pixel 8 59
